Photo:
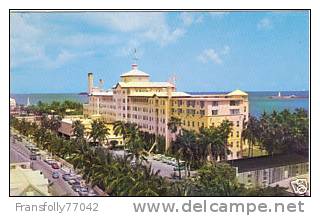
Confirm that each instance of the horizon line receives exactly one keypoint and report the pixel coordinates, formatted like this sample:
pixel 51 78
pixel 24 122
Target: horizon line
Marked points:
pixel 223 91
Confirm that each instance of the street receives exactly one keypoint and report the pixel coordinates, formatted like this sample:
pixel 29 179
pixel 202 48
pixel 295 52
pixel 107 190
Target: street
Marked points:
pixel 59 187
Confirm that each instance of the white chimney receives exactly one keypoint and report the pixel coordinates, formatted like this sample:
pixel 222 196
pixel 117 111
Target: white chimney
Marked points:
pixel 90 83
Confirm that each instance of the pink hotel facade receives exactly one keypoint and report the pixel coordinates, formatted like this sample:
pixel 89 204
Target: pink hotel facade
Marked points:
pixel 150 105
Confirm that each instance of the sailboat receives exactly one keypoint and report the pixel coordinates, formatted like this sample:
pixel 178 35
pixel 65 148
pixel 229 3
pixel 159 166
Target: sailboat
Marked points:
pixel 28 102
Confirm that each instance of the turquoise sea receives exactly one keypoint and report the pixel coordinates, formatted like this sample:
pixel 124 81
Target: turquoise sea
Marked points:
pixel 259 101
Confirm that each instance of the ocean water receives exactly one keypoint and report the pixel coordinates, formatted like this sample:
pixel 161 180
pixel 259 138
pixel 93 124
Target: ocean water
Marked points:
pixel 259 101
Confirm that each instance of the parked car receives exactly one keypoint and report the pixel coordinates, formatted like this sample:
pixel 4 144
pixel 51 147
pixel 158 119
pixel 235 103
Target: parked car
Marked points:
pixel 71 181
pixel 83 191
pixel 177 168
pixel 157 157
pixel 49 161
pixel 66 176
pixel 33 157
pixel 76 187
pixel 91 192
pixel 55 175
pixel 55 166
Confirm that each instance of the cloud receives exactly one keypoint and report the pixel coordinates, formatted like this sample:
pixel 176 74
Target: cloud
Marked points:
pixel 212 55
pixel 189 18
pixel 218 14
pixel 50 41
pixel 33 44
pixel 264 24
pixel 150 26
pixel 226 50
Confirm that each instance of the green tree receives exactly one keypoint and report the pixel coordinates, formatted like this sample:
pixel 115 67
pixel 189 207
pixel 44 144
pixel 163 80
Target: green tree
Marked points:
pixel 99 132
pixel 120 128
pixel 78 130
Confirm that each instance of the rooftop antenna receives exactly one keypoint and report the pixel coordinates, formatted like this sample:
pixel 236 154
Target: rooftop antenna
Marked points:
pixel 135 59
pixel 101 82
pixel 173 79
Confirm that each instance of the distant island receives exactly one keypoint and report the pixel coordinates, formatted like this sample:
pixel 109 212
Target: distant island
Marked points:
pixel 279 96
pixel 83 93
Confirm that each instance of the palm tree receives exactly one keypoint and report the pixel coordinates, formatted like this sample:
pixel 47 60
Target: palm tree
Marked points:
pixel 120 127
pixel 78 130
pixel 99 132
pixel 251 133
pixel 225 128
pixel 132 131
pixel 174 124
pixel 185 144
pixel 55 123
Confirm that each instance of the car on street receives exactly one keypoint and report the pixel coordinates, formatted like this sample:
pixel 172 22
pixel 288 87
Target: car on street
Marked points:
pixel 177 168
pixel 55 174
pixel 66 176
pixel 55 166
pixel 71 181
pixel 84 191
pixel 33 157
pixel 76 187
pixel 49 161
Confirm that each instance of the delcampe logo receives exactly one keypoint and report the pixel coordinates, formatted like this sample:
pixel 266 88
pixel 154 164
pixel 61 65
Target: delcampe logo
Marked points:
pixel 299 186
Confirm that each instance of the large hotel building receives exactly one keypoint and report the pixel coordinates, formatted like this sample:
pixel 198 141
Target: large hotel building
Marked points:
pixel 150 105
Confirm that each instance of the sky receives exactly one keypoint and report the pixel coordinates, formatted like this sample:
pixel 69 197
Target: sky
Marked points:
pixel 205 51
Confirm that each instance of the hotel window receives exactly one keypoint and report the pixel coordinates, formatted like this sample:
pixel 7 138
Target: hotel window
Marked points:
pixel 234 103
pixel 179 103
pixel 201 104
pixel 184 122
pixel 231 144
pixel 231 134
pixel 234 111
pixel 201 112
pixel 238 123
pixel 237 133
pixel 202 124
pixel 245 109
pixel 193 124
pixel 123 100
pixel 215 103
pixel 188 124
pixel 237 144
pixel 214 112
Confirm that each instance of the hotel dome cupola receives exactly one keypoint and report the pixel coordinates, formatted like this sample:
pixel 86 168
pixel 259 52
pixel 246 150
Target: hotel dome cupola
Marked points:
pixel 135 75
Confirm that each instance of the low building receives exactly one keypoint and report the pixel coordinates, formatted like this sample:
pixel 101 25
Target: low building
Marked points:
pixel 265 170
pixel 13 104
pixel 27 182
pixel 67 130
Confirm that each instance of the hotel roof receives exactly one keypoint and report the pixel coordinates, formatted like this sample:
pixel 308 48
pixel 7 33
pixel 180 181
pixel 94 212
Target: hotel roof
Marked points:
pixel 102 93
pixel 135 72
pixel 158 94
pixel 145 84
pixel 265 162
pixel 237 92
